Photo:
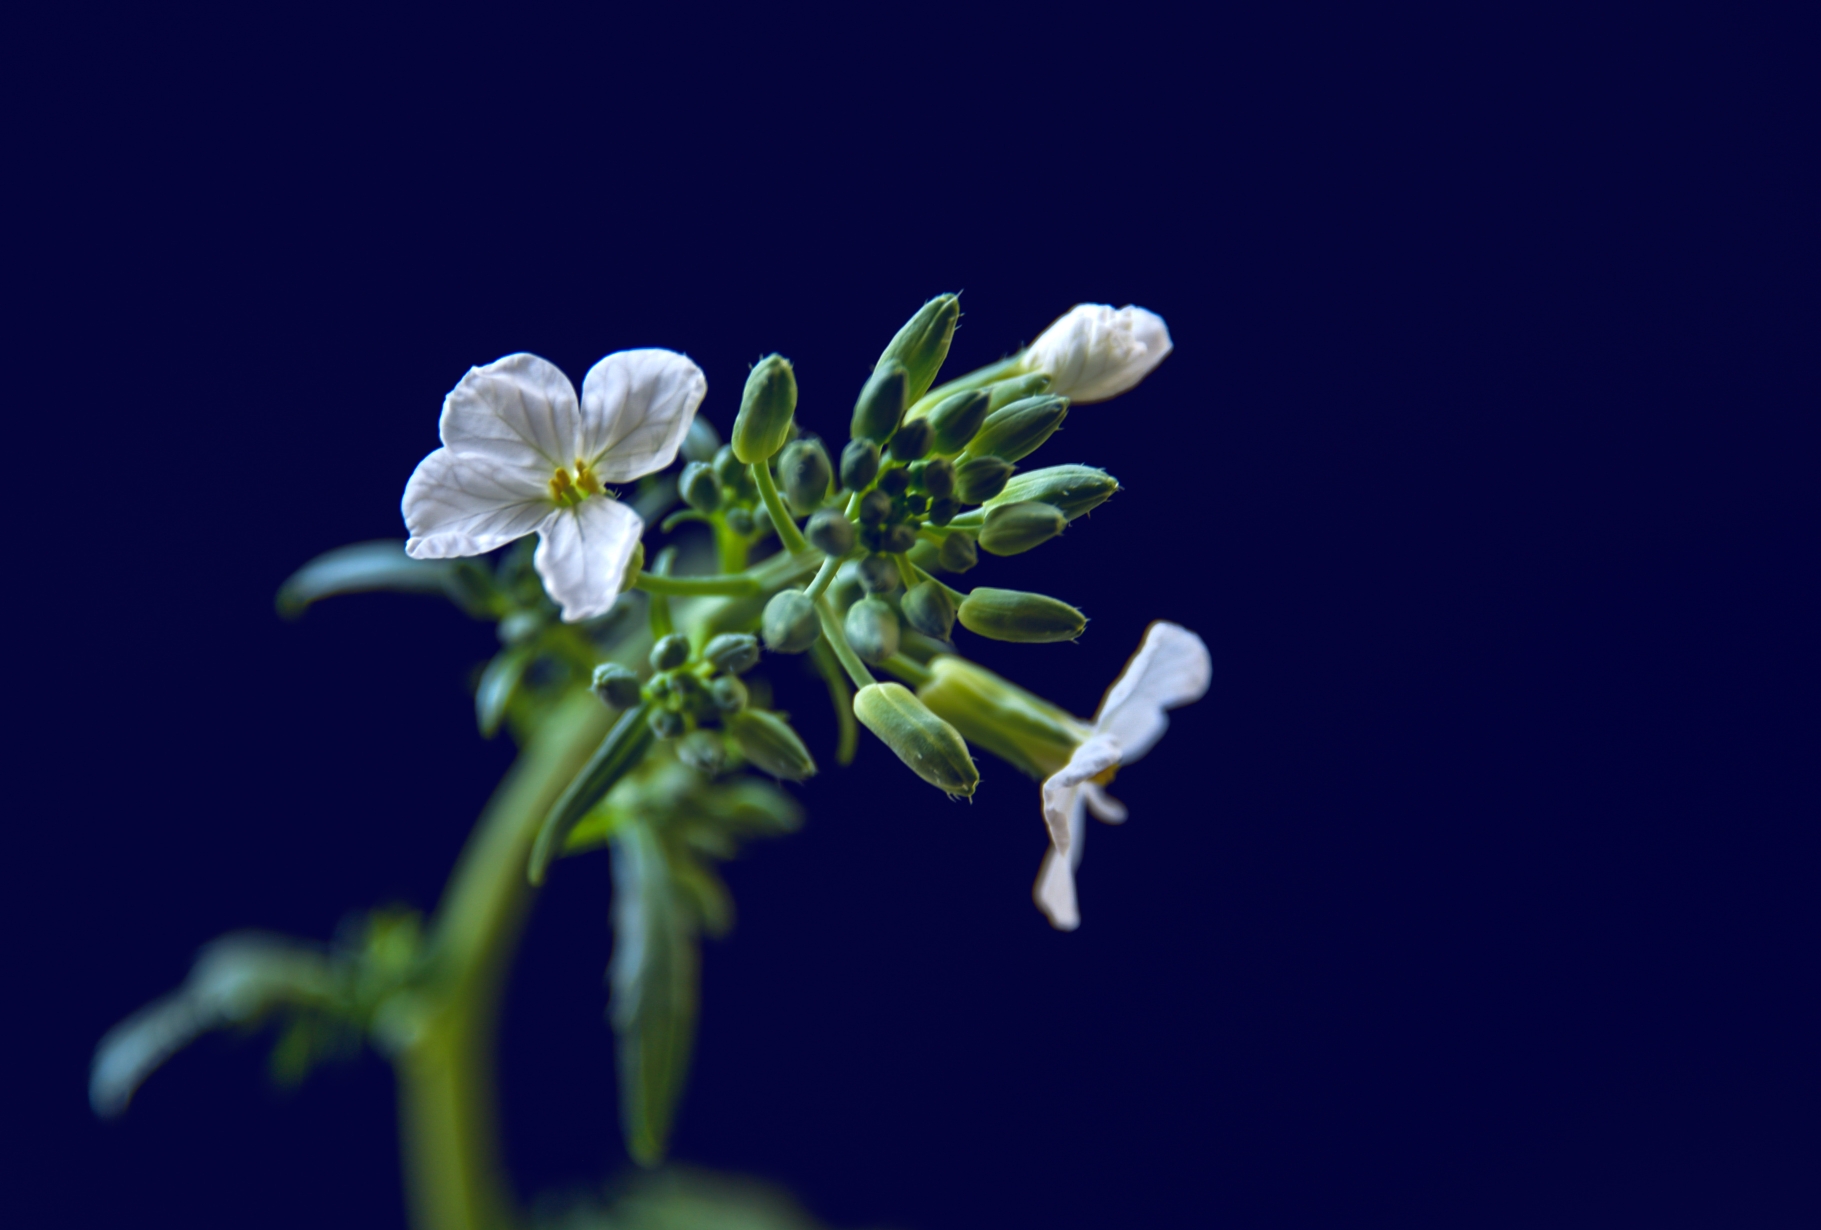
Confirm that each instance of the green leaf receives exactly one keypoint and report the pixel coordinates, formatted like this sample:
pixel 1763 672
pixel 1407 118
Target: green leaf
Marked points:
pixel 363 567
pixel 653 976
pixel 498 683
pixel 620 752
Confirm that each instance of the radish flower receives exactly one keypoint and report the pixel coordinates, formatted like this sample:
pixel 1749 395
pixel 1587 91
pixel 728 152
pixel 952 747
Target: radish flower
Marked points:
pixel 1093 352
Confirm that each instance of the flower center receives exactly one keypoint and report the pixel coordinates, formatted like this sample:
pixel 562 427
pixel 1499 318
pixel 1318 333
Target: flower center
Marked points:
pixel 569 491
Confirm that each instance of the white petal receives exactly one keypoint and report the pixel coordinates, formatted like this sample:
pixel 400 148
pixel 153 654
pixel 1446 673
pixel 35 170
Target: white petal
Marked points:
pixel 1055 890
pixel 1062 791
pixel 1093 352
pixel 582 553
pixel 1171 668
pixel 467 506
pixel 636 408
pixel 518 412
pixel 1106 808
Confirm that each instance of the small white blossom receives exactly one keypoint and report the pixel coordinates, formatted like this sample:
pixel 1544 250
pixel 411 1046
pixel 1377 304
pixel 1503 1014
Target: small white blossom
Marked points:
pixel 519 454
pixel 1171 668
pixel 1093 352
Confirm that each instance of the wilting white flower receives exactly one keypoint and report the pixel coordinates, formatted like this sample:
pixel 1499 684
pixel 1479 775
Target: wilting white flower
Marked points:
pixel 1171 668
pixel 520 455
pixel 1093 352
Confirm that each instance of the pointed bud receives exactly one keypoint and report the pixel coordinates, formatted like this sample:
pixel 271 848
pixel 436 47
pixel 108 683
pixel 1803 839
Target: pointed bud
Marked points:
pixel 911 441
pixel 929 746
pixel 881 403
pixel 699 487
pixel 669 653
pixel 1013 615
pixel 978 479
pixel 1019 429
pixel 789 624
pixel 928 608
pixel 830 531
pixel 616 685
pixel 922 344
pixel 1008 391
pixel 1001 717
pixel 936 476
pixel 955 419
pixel 766 409
pixel 957 553
pixel 872 629
pixel 1012 529
pixel 733 652
pixel 859 464
pixel 770 744
pixel 804 472
pixel 1071 490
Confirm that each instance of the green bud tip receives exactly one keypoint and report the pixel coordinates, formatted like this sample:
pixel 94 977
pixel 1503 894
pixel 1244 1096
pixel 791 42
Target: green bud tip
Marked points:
pixel 957 553
pixel 954 420
pixel 665 724
pixel 831 532
pixel 859 464
pixel 789 624
pixel 1012 529
pixel 733 652
pixel 1071 490
pixel 700 489
pixel 881 403
pixel 732 473
pixel 922 344
pixel 978 479
pixel 766 409
pixel 937 477
pixel 1013 615
pixel 805 473
pixel 929 746
pixel 670 652
pixel 928 608
pixel 616 685
pixel 770 744
pixel 872 629
pixel 911 440
pixel 944 510
pixel 1019 429
pixel 728 694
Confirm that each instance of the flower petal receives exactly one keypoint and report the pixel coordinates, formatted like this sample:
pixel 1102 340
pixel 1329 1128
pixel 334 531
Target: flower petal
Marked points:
pixel 1171 668
pixel 582 553
pixel 1062 791
pixel 520 413
pixel 636 408
pixel 1055 889
pixel 1106 808
pixel 466 506
pixel 1093 352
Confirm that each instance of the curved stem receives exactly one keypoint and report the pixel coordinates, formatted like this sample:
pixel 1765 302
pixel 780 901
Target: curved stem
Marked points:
pixel 837 641
pixel 781 520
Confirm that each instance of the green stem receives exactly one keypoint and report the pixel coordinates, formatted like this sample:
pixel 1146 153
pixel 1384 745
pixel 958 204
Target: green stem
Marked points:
pixel 781 520
pixel 1004 369
pixel 739 585
pixel 454 1175
pixel 731 547
pixel 847 733
pixel 837 641
pixel 825 575
pixel 954 593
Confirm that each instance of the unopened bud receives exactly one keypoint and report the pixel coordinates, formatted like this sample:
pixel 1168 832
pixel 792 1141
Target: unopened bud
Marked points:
pixel 733 652
pixel 1019 429
pixel 957 553
pixel 872 629
pixel 728 694
pixel 875 507
pixel 789 624
pixel 1012 529
pixel 898 538
pixel 1013 615
pixel 805 473
pixel 944 510
pixel 928 608
pixel 929 746
pixel 732 473
pixel 881 403
pixel 936 476
pixel 701 441
pixel 878 574
pixel 770 744
pixel 700 489
pixel 666 724
pixel 1006 720
pixel 703 750
pixel 922 344
pixel 911 440
pixel 670 652
pixel 830 531
pixel 955 419
pixel 739 520
pixel 616 685
pixel 859 464
pixel 766 409
pixel 1072 490
pixel 1008 391
pixel 978 479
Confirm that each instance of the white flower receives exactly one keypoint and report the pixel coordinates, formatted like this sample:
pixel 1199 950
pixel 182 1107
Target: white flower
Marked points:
pixel 520 455
pixel 1171 668
pixel 1093 352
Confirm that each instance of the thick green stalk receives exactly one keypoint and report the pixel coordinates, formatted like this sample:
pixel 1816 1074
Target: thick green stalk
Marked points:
pixel 454 1176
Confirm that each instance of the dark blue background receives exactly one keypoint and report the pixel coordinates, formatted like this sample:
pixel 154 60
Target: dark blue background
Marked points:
pixel 1479 890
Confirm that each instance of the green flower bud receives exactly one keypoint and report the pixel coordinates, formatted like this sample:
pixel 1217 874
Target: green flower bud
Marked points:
pixel 1072 490
pixel 519 626
pixel 878 574
pixel 1013 615
pixel 789 624
pixel 957 553
pixel 955 419
pixel 665 724
pixel 616 685
pixel 703 750
pixel 1025 730
pixel 766 408
pixel 732 473
pixel 1019 429
pixel 659 688
pixel 898 538
pixel 728 694
pixel 872 629
pixel 739 520
pixel 928 608
pixel 911 440
pixel 1008 391
pixel 922 344
pixel 761 521
pixel 830 531
pixel 929 746
pixel 701 441
pixel 1012 529
pixel 733 652
pixel 847 588
pixel 805 473
pixel 770 744
pixel 894 482
pixel 688 689
pixel 700 489
pixel 859 464
pixel 669 653
pixel 881 403
pixel 978 479
pixel 875 507
pixel 944 510
pixel 937 476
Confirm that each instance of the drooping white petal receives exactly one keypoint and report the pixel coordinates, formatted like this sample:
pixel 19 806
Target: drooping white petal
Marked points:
pixel 636 408
pixel 582 553
pixel 519 412
pixel 1093 352
pixel 1055 889
pixel 1106 808
pixel 1171 668
pixel 1062 790
pixel 457 505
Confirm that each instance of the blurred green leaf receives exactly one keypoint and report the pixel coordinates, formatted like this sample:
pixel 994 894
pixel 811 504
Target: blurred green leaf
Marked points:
pixel 497 685
pixel 383 565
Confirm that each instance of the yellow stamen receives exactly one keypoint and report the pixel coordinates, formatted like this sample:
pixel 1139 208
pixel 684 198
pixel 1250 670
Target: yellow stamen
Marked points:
pixel 572 491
